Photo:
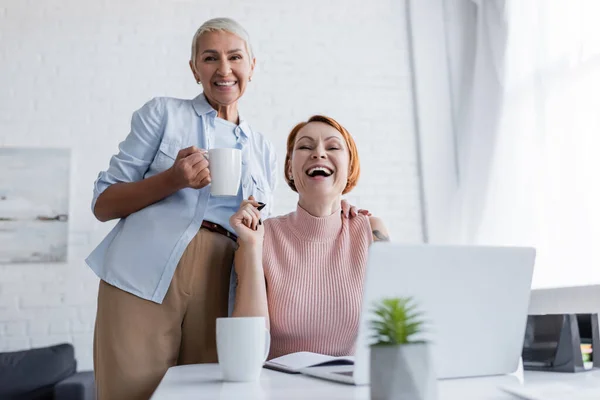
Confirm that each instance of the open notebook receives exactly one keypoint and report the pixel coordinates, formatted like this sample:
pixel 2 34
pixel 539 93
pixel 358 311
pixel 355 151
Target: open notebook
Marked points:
pixel 293 363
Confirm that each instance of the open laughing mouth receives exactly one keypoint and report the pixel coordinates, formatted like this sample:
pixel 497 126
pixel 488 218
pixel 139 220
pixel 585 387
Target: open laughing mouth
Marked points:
pixel 319 171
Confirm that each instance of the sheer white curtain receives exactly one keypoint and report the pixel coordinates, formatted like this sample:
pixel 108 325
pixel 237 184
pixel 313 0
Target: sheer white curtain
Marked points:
pixel 535 180
pixel 477 69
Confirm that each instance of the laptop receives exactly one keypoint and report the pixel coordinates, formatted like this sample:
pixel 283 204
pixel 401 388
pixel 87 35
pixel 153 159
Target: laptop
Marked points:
pixel 474 298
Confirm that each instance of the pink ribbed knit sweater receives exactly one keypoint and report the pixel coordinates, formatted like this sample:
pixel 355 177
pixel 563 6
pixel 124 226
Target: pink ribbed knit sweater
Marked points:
pixel 314 269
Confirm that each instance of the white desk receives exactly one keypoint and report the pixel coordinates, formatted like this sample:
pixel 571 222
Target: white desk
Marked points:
pixel 203 381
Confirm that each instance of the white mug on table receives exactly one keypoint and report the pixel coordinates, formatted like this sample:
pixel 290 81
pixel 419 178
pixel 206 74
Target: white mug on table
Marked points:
pixel 225 165
pixel 242 347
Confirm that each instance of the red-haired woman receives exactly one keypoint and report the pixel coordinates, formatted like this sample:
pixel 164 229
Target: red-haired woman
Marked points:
pixel 310 263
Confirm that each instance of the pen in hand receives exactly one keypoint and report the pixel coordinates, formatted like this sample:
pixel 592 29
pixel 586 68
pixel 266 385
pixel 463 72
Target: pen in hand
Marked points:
pixel 260 207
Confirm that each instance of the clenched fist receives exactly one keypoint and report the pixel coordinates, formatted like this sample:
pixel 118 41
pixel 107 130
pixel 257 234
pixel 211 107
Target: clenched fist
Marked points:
pixel 190 169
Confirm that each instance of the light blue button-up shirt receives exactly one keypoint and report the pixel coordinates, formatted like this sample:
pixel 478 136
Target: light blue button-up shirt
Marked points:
pixel 141 253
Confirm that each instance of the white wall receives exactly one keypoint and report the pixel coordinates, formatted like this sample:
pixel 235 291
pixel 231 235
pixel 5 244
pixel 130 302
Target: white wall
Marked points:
pixel 71 73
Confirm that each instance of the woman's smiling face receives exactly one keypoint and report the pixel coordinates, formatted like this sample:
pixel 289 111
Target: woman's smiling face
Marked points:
pixel 223 66
pixel 319 161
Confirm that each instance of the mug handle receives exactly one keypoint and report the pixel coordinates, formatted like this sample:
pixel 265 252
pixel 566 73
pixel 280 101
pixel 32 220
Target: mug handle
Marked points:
pixel 267 344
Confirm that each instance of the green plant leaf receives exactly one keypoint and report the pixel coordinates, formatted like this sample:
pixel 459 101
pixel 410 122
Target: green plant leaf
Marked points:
pixel 396 321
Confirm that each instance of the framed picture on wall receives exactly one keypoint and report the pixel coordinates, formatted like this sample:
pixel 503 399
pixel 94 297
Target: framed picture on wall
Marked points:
pixel 34 204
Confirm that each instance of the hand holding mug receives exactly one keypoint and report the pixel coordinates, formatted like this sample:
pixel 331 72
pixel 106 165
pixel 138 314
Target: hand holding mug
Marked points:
pixel 190 169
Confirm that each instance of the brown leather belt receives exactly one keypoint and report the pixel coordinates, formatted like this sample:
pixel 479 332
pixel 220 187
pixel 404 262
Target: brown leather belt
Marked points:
pixel 211 226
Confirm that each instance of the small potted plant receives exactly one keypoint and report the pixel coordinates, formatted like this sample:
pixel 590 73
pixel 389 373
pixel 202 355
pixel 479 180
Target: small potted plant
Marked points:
pixel 401 367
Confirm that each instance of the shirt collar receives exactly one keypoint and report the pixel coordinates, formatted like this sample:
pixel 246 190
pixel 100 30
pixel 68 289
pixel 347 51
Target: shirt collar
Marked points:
pixel 203 107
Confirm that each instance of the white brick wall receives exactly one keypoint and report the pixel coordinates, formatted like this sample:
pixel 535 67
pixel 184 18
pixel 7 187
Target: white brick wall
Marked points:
pixel 71 73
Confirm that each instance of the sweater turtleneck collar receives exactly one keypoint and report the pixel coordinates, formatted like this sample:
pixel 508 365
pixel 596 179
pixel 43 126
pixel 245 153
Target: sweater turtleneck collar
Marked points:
pixel 316 229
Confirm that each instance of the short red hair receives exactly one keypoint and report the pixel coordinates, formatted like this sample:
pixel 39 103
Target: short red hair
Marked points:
pixel 353 164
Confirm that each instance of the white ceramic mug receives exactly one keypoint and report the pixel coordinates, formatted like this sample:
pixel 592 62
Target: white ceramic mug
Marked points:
pixel 242 347
pixel 225 167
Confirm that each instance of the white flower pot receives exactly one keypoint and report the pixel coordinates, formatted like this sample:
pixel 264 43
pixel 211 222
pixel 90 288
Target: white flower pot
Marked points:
pixel 403 372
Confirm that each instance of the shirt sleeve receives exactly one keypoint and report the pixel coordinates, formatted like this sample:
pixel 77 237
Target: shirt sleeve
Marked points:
pixel 137 151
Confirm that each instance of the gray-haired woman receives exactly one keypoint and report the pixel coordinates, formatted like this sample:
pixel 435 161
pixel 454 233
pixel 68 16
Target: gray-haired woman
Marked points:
pixel 165 267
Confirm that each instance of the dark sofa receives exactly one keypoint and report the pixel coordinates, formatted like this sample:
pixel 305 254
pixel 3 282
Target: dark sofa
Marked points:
pixel 48 373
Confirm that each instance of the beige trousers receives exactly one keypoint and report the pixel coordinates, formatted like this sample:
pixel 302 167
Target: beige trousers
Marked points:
pixel 136 340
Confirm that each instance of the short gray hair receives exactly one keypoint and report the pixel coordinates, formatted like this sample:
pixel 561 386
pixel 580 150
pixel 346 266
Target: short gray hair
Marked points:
pixel 221 24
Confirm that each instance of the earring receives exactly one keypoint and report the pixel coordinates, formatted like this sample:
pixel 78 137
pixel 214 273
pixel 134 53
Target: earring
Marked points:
pixel 291 178
pixel 199 83
pixel 250 79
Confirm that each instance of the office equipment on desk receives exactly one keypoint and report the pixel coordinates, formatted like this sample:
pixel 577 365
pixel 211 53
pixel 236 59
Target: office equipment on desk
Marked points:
pixel 561 343
pixel 474 297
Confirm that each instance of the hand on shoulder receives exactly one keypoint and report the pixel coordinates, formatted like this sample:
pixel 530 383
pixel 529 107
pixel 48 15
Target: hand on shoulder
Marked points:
pixel 350 211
